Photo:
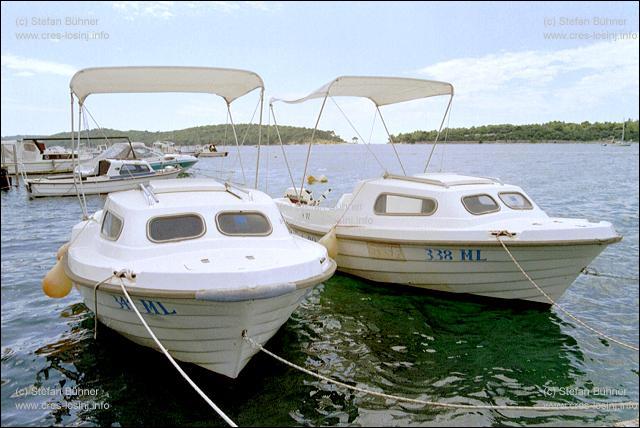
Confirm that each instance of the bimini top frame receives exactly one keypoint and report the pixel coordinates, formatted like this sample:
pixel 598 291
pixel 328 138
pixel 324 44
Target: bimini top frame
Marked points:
pixel 230 84
pixel 381 91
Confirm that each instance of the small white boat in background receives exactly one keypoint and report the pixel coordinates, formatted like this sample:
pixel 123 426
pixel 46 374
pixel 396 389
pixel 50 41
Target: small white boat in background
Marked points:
pixel 621 142
pixel 33 156
pixel 157 159
pixel 210 261
pixel 210 151
pixel 439 231
pixel 109 175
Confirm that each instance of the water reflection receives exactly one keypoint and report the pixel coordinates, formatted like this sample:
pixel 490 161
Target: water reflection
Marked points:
pixel 394 339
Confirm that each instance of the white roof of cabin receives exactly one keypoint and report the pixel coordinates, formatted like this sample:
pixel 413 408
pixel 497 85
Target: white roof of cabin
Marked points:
pixel 184 185
pixel 186 194
pixel 438 179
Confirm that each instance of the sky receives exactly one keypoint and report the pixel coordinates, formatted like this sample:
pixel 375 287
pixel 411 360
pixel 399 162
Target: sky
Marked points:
pixel 519 63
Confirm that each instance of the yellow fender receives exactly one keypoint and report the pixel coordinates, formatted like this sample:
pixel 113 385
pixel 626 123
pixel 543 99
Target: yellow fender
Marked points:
pixel 330 242
pixel 62 251
pixel 56 283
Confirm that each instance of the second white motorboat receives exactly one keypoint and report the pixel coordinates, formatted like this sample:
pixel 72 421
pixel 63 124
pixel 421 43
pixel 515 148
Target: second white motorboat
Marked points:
pixel 440 231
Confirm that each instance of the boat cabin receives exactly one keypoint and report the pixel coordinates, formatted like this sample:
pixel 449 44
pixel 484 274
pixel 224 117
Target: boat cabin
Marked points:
pixel 194 213
pixel 116 168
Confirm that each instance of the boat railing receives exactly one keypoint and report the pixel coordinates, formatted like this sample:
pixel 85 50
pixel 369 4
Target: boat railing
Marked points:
pixel 228 186
pixel 149 195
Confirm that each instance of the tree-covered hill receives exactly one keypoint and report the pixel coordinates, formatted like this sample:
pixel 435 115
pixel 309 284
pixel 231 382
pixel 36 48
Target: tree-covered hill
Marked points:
pixel 551 131
pixel 217 134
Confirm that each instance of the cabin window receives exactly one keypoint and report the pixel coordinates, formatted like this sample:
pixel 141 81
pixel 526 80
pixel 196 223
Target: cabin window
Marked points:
pixel 111 226
pixel 175 228
pixel 133 169
pixel 515 201
pixel 390 204
pixel 241 223
pixel 480 204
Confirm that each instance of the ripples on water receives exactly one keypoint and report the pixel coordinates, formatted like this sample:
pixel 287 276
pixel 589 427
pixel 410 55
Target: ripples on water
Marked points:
pixel 393 339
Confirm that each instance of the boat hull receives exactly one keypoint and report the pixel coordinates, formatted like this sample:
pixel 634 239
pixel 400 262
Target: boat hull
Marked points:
pixel 52 166
pixel 212 154
pixel 206 333
pixel 67 187
pixel 475 268
pixel 184 165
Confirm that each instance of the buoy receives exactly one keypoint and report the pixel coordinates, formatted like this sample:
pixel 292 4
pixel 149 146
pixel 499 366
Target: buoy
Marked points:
pixel 330 242
pixel 56 283
pixel 311 179
pixel 323 179
pixel 62 251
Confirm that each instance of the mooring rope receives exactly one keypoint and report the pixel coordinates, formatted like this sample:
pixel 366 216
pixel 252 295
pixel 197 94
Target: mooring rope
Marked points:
pixel 131 276
pixel 600 406
pixel 498 235
pixel 592 271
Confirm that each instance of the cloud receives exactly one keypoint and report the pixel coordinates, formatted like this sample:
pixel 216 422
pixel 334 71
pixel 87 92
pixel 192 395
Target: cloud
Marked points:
pixel 29 66
pixel 169 9
pixel 543 85
pixel 155 9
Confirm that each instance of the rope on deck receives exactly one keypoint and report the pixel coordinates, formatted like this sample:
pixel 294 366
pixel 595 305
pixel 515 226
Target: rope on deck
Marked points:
pixel 549 408
pixel 499 235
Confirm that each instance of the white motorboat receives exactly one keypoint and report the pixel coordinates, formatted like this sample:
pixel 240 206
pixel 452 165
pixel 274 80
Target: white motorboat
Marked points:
pixel 207 261
pixel 157 159
pixel 210 262
pixel 109 175
pixel 210 151
pixel 438 231
pixel 33 156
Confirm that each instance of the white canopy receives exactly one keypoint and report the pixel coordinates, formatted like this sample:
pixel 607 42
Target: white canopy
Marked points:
pixel 380 90
pixel 227 83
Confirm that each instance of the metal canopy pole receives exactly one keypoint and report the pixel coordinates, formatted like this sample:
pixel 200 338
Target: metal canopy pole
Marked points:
pixel 435 143
pixel 235 136
pixel 259 137
pixel 391 139
pixel 313 134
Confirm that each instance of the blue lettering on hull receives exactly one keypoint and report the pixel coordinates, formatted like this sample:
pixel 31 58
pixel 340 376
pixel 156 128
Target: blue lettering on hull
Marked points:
pixel 151 307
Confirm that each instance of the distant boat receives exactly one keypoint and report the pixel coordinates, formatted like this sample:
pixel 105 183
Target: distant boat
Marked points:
pixel 621 142
pixel 211 151
pixel 110 175
pixel 157 159
pixel 32 156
